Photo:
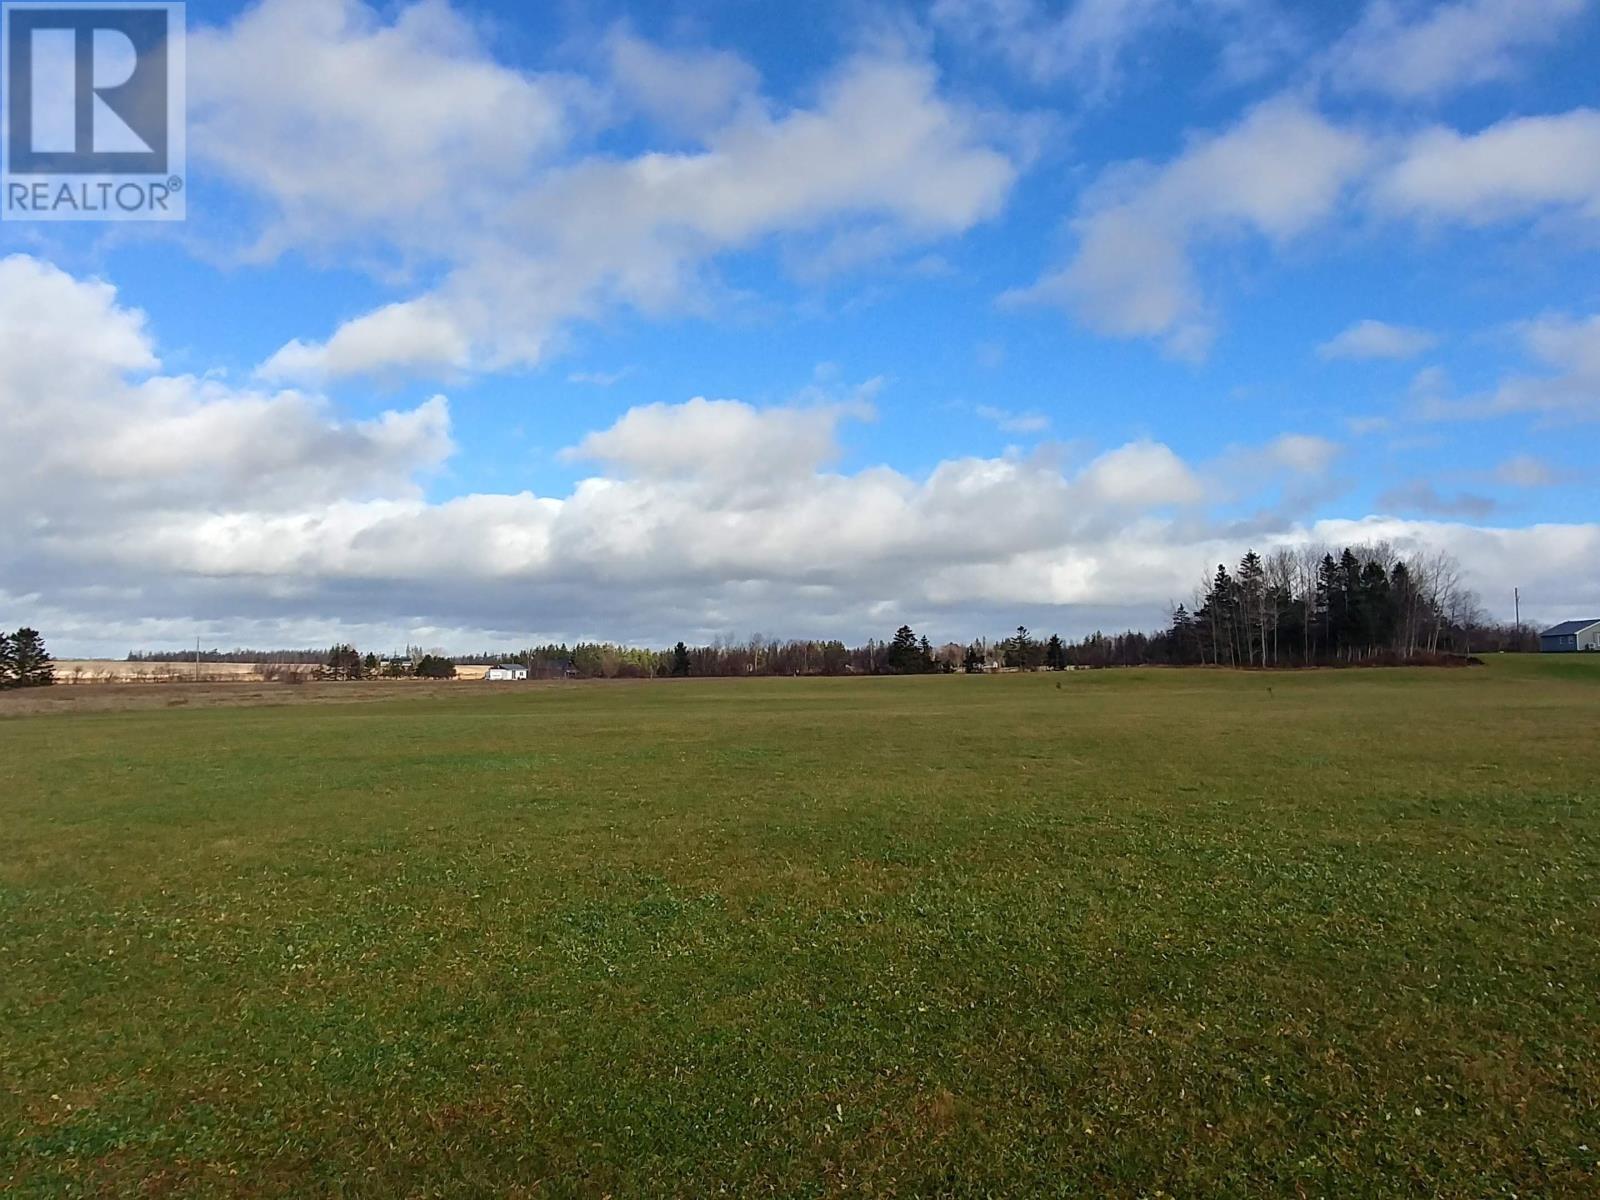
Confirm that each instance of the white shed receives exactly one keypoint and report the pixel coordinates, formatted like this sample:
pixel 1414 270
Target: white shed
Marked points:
pixel 506 672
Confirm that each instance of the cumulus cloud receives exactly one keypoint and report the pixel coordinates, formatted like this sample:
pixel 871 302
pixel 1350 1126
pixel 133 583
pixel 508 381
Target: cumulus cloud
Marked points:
pixel 97 435
pixel 1415 52
pixel 690 92
pixel 144 503
pixel 297 101
pixel 1283 171
pixel 1378 340
pixel 412 335
pixel 1517 168
pixel 525 229
pixel 1276 174
pixel 716 438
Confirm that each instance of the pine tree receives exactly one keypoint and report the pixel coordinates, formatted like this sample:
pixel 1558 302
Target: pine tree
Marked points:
pixel 907 655
pixel 1019 649
pixel 1185 647
pixel 1055 654
pixel 343 662
pixel 8 662
pixel 1220 603
pixel 972 661
pixel 1252 607
pixel 431 666
pixel 680 660
pixel 31 661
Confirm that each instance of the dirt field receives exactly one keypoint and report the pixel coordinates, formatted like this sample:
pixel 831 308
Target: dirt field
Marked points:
pixel 242 693
pixel 103 670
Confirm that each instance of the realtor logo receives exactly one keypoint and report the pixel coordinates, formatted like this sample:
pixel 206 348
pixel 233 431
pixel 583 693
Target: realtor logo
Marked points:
pixel 93 127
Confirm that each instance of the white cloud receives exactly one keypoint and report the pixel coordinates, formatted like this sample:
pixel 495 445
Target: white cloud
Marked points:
pixel 1565 388
pixel 355 128
pixel 602 379
pixel 417 335
pixel 1518 168
pixel 1276 174
pixel 1302 453
pixel 690 92
pixel 1378 340
pixel 95 433
pixel 1414 52
pixel 718 439
pixel 143 502
pixel 476 176
pixel 1142 475
pixel 1007 421
pixel 1089 44
pixel 1085 41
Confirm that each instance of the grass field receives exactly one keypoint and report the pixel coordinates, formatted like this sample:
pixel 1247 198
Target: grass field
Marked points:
pixel 1123 933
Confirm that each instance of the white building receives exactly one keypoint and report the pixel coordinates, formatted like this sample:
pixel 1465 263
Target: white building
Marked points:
pixel 506 672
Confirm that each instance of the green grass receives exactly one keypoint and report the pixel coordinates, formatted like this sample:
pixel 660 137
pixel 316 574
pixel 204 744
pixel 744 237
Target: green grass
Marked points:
pixel 1141 934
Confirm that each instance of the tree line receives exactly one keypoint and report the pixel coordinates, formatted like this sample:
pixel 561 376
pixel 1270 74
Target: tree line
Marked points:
pixel 1312 605
pixel 1320 606
pixel 24 661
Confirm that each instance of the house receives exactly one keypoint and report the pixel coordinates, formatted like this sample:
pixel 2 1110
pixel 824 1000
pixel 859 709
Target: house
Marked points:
pixel 506 672
pixel 1570 637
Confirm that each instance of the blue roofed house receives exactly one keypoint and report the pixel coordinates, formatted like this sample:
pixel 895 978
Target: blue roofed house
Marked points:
pixel 1571 637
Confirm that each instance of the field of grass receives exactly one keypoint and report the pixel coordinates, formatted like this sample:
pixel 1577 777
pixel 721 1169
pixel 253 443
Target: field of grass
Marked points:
pixel 1135 933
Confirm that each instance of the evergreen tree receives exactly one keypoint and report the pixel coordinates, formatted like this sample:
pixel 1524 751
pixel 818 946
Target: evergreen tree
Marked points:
pixel 8 662
pixel 343 662
pixel 1019 649
pixel 908 655
pixel 31 662
pixel 1252 608
pixel 680 660
pixel 1377 616
pixel 1185 643
pixel 431 666
pixel 835 658
pixel 972 661
pixel 1221 606
pixel 1327 603
pixel 1055 654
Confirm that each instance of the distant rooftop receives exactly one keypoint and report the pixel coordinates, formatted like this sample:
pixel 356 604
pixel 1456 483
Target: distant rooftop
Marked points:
pixel 1567 627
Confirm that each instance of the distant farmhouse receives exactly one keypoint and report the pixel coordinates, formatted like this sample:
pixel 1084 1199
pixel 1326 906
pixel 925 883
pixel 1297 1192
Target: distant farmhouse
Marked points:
pixel 506 672
pixel 1571 637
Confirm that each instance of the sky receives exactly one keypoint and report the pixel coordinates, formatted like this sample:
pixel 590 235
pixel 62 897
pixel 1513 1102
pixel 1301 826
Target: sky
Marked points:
pixel 498 323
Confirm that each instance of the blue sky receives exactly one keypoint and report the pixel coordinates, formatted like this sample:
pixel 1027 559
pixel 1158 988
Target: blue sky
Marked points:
pixel 495 322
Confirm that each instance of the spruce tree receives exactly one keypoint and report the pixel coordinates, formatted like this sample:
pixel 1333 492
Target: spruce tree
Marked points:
pixel 1055 654
pixel 32 664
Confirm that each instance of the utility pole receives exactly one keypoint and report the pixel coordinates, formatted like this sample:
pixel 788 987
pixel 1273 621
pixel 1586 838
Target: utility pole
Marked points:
pixel 1517 599
pixel 197 660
